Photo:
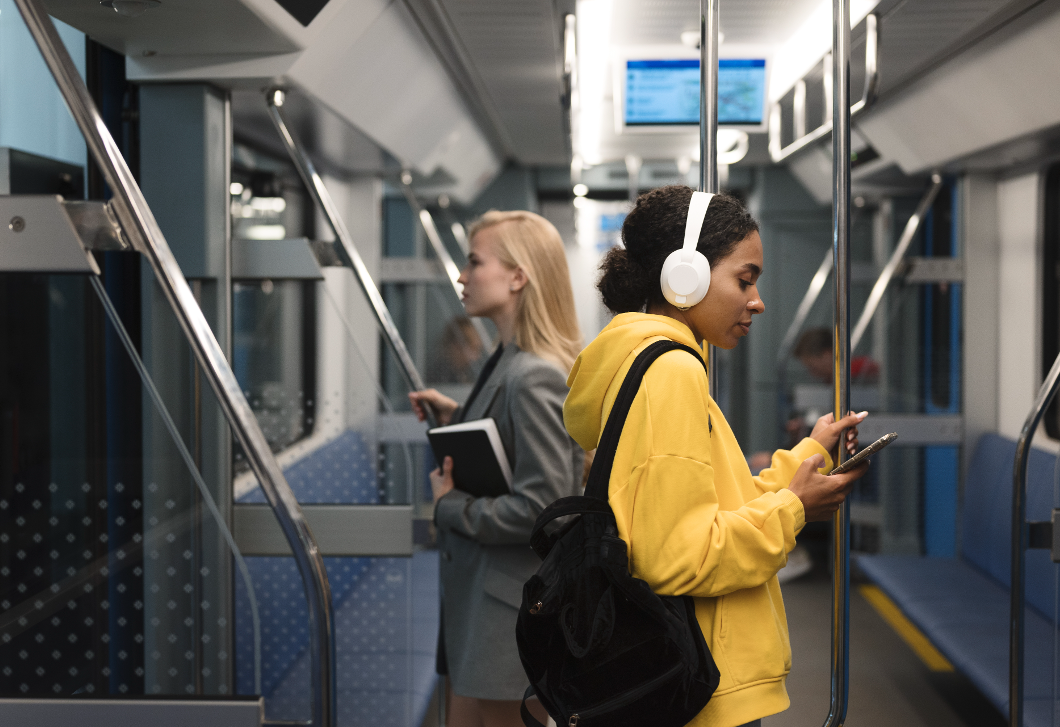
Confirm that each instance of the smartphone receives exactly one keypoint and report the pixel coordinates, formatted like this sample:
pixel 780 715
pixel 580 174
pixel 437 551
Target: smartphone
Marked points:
pixel 865 453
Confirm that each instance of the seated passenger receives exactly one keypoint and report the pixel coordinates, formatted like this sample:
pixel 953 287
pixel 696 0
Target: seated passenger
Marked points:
pixel 814 351
pixel 694 519
pixel 517 277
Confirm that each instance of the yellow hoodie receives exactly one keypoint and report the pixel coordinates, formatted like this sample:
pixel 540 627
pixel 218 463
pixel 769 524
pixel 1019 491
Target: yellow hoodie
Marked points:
pixel 694 519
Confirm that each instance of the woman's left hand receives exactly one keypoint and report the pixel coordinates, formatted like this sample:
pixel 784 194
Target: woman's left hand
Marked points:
pixel 442 479
pixel 827 431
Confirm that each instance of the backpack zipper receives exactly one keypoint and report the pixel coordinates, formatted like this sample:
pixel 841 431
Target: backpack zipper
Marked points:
pixel 626 698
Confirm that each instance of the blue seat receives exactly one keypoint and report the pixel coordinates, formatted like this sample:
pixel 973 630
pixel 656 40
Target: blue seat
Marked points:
pixel 386 611
pixel 962 604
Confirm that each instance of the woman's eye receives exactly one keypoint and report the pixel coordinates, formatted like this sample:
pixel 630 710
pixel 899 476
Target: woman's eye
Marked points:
pixel 745 283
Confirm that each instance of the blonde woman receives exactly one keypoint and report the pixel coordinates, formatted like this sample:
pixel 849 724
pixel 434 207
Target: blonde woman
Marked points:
pixel 517 277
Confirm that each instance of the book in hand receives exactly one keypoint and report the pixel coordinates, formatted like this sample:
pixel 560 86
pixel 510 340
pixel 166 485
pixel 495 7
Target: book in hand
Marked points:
pixel 480 466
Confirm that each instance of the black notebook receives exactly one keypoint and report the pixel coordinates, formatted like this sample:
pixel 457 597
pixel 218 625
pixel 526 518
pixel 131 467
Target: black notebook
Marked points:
pixel 480 466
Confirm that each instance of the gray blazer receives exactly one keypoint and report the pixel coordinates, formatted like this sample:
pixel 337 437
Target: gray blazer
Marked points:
pixel 484 542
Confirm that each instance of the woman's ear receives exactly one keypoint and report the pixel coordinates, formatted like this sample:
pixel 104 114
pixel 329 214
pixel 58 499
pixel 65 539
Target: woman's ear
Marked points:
pixel 519 280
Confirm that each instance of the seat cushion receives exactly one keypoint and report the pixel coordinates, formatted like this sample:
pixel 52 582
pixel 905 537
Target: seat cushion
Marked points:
pixel 965 614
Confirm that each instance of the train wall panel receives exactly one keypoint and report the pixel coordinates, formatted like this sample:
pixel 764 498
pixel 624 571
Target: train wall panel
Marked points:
pixel 998 91
pixel 371 65
pixel 980 247
pixel 1019 302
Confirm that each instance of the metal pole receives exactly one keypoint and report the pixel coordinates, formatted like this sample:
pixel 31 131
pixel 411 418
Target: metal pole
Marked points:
pixel 708 129
pixel 840 350
pixel 142 230
pixel 880 287
pixel 1017 595
pixel 315 185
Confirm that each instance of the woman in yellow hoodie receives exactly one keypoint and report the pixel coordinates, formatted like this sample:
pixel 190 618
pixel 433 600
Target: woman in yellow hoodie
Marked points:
pixel 694 519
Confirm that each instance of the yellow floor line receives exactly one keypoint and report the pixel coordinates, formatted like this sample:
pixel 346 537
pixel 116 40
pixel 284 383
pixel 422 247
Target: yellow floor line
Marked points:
pixel 910 634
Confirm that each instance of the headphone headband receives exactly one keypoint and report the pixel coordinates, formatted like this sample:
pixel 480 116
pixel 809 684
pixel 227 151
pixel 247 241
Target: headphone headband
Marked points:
pixel 697 213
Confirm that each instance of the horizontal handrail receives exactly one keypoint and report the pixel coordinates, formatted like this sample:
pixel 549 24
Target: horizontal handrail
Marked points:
pixel 887 274
pixel 868 97
pixel 1018 595
pixel 141 229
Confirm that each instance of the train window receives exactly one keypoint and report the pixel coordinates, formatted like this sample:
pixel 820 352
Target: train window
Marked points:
pixel 273 321
pixel 1051 287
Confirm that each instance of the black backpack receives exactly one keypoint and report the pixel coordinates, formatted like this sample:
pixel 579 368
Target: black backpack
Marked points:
pixel 599 647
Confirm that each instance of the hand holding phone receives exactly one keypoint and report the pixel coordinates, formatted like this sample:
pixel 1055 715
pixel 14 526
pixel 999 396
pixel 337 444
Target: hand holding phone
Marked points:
pixel 864 454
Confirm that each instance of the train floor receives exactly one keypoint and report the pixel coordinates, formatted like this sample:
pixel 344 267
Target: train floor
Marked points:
pixel 889 684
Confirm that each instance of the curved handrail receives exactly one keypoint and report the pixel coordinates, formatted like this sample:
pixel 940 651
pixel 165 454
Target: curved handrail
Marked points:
pixel 452 272
pixel 140 227
pixel 887 274
pixel 274 100
pixel 1018 594
pixel 868 98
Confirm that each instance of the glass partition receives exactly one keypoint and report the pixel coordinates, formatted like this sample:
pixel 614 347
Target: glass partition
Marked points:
pixel 904 371
pixel 116 559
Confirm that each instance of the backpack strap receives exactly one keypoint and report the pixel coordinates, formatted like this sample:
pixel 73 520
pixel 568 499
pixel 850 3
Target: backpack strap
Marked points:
pixel 600 473
pixel 576 505
pixel 528 719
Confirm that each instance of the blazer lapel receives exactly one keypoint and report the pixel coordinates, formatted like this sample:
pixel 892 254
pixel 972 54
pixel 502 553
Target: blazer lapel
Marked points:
pixel 488 393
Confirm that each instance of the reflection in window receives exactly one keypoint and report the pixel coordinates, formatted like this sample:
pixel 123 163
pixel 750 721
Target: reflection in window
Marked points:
pixel 273 355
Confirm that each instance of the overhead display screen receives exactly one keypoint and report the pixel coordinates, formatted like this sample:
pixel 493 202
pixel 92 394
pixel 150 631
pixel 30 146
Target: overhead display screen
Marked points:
pixel 666 92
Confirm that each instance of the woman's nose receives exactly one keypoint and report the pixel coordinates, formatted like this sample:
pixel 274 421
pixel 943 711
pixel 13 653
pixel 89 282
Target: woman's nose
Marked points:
pixel 756 306
pixel 463 276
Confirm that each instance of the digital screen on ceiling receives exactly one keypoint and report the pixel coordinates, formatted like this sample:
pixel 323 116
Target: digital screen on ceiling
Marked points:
pixel 666 92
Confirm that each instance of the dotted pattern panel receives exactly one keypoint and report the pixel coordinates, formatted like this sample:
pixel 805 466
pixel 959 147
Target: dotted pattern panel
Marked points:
pixel 341 471
pixel 386 625
pixel 386 610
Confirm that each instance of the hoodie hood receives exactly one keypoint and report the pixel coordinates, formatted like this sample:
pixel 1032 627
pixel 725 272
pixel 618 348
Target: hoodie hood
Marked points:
pixel 608 357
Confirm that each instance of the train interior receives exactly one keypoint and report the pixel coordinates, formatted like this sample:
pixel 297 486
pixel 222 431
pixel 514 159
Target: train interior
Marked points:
pixel 312 167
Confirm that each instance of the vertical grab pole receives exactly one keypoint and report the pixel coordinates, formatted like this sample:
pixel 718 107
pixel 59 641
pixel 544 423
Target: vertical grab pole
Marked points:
pixel 708 127
pixel 840 349
pixel 141 228
pixel 1019 543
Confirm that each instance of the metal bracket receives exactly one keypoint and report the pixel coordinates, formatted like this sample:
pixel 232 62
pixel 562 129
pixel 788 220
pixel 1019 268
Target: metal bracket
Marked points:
pixel 292 259
pixel 340 530
pixel 934 270
pixel 1042 536
pixel 97 225
pixel 38 235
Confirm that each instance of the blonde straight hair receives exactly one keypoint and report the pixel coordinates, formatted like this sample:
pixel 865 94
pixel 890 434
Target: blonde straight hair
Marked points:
pixel 546 323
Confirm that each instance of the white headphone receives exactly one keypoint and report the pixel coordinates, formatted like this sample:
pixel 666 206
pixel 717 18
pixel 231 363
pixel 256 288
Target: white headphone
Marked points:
pixel 686 273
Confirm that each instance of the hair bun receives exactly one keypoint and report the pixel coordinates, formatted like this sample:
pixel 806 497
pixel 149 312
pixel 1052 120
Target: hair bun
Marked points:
pixel 624 285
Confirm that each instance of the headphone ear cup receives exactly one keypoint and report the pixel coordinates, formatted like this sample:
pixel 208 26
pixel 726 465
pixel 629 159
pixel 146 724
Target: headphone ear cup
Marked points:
pixel 685 282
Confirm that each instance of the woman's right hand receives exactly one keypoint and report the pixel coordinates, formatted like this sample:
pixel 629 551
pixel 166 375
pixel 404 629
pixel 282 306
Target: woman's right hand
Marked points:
pixel 442 405
pixel 822 495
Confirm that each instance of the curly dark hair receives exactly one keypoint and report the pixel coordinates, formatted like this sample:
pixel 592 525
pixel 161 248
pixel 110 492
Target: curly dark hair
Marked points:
pixel 653 229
